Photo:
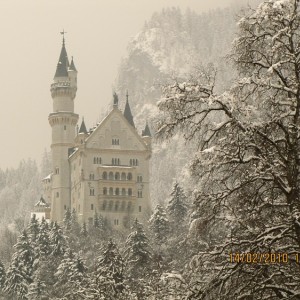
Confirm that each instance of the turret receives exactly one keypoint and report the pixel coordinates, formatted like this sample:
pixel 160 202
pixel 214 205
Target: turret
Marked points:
pixel 63 121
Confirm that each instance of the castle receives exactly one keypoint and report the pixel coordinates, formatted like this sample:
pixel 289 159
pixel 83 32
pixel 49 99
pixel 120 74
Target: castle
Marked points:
pixel 104 169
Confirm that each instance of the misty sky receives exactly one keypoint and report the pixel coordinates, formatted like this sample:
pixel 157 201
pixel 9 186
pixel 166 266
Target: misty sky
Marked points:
pixel 97 36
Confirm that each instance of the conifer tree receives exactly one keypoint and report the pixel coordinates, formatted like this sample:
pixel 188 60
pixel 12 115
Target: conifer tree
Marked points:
pixel 37 289
pixel 33 229
pixel 43 239
pixel 137 251
pixel 2 277
pixel 159 225
pixel 57 240
pixel 177 207
pixel 110 270
pixel 19 274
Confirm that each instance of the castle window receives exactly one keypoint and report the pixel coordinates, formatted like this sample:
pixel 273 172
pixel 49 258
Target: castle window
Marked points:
pixel 136 162
pixel 116 206
pixel 129 192
pixel 111 176
pixel 129 176
pixel 104 191
pixel 57 170
pixel 92 177
pixel 116 222
pixel 140 194
pixel 92 206
pixel 104 205
pixel 104 175
pixel 123 206
pixel 139 178
pixel 117 191
pixel 123 176
pixel 65 127
pixel 140 209
pixel 115 142
pixel 117 176
pixel 65 207
pixel 123 192
pixel 95 160
pixel 92 192
pixel 57 194
pixel 111 191
pixel 115 161
pixel 129 205
pixel 111 203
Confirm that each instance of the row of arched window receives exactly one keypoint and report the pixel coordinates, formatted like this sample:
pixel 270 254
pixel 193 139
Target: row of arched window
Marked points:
pixel 116 176
pixel 97 160
pixel 117 206
pixel 115 142
pixel 117 191
pixel 115 161
pixel 133 162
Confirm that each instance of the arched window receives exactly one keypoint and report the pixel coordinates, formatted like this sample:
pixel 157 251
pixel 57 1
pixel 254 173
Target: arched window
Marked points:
pixel 111 191
pixel 123 192
pixel 117 176
pixel 104 175
pixel 104 191
pixel 117 191
pixel 140 194
pixel 129 176
pixel 129 192
pixel 116 205
pixel 111 203
pixel 123 176
pixel 111 176
pixel 123 206
pixel 92 192
pixel 139 178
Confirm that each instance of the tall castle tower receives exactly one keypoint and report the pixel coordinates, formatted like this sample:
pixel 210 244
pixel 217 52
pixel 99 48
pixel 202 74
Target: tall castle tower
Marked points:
pixel 63 121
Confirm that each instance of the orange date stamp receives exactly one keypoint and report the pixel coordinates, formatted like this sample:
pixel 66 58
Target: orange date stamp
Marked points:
pixel 263 258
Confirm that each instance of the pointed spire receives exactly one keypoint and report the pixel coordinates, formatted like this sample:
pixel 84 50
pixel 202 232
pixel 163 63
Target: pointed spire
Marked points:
pixel 63 62
pixel 146 131
pixel 82 127
pixel 72 66
pixel 127 112
pixel 116 99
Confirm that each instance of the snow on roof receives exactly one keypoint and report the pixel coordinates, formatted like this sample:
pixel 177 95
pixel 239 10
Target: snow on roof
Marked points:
pixel 48 177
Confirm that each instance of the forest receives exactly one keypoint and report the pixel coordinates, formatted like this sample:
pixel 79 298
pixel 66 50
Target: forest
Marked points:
pixel 227 225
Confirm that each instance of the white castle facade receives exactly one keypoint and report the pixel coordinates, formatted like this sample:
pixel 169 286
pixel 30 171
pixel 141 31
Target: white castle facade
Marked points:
pixel 103 170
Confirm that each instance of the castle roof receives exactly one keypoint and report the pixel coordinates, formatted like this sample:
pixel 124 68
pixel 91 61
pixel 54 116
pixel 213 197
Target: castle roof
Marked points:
pixel 82 128
pixel 42 203
pixel 72 65
pixel 146 131
pixel 127 113
pixel 63 63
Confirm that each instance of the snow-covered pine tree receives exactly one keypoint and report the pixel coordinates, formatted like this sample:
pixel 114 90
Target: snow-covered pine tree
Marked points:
pixel 57 240
pixel 159 225
pixel 138 259
pixel 33 229
pixel 67 221
pixel 37 289
pixel 247 166
pixel 20 271
pixel 109 274
pixel 70 273
pixel 2 277
pixel 177 208
pixel 43 241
